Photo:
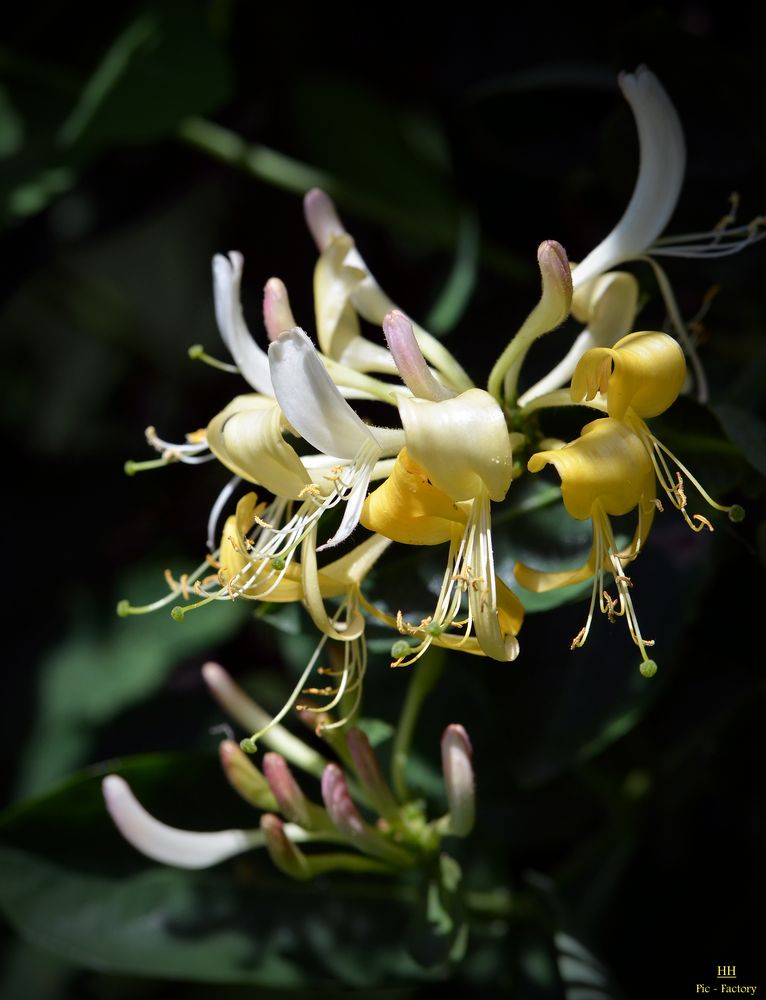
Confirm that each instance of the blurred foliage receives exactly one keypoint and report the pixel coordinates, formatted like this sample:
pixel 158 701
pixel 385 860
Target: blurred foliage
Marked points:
pixel 136 142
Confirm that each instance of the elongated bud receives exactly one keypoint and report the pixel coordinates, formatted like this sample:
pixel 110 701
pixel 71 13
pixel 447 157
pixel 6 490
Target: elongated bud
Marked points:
pixel 409 359
pixel 322 218
pixel 557 284
pixel 286 856
pixel 245 778
pixel 339 804
pixel 368 770
pixel 348 821
pixel 233 699
pixel 292 802
pixel 277 314
pixel 168 844
pixel 458 779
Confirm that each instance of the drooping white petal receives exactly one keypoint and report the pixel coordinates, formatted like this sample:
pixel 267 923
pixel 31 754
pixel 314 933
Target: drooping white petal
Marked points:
pixel 167 844
pixel 660 175
pixel 311 401
pixel 250 359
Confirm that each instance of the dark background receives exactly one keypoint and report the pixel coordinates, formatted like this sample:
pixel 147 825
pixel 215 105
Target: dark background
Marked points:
pixel 638 810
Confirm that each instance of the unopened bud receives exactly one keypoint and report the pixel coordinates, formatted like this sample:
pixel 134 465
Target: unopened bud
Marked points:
pixel 339 804
pixel 409 359
pixel 557 283
pixel 277 314
pixel 245 777
pixel 292 802
pixel 283 852
pixel 322 218
pixel 370 775
pixel 458 779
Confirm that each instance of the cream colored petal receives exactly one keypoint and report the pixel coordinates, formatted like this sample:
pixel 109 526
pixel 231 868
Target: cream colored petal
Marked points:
pixel 462 443
pixel 246 436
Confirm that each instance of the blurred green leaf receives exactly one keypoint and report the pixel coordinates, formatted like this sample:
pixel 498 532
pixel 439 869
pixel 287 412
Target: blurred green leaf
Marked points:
pixel 745 430
pixel 98 673
pixel 11 126
pixel 241 923
pixel 165 65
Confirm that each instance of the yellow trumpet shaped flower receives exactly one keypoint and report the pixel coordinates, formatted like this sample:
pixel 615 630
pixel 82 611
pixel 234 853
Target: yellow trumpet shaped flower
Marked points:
pixel 643 372
pixel 605 472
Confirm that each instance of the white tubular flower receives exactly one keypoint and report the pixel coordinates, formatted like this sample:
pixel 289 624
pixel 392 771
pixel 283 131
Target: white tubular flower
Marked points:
pixel 315 408
pixel 660 176
pixel 167 844
pixel 248 356
pixel 343 280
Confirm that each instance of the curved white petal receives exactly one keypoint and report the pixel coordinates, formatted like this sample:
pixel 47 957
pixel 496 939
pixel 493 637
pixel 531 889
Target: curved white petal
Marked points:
pixel 248 356
pixel 660 175
pixel 182 848
pixel 310 399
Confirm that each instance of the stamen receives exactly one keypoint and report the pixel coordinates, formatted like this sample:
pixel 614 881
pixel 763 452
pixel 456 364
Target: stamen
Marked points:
pixel 197 353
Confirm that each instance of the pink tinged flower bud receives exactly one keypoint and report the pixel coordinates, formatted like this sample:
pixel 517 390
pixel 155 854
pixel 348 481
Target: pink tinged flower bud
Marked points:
pixel 370 775
pixel 409 359
pixel 348 821
pixel 557 279
pixel 292 802
pixel 283 852
pixel 458 779
pixel 322 218
pixel 277 314
pixel 245 778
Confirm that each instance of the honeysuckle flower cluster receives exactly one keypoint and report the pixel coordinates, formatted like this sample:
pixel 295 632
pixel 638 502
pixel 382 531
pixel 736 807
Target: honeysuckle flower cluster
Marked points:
pixel 397 837
pixel 433 473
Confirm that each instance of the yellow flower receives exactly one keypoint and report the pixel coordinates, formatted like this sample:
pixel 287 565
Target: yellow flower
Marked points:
pixel 640 377
pixel 605 472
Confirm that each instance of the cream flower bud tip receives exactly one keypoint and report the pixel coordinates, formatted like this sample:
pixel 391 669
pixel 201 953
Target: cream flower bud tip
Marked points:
pixel 321 218
pixel 409 360
pixel 277 314
pixel 167 844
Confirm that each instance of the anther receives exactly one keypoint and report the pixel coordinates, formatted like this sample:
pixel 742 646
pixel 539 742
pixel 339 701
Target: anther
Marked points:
pixel 703 522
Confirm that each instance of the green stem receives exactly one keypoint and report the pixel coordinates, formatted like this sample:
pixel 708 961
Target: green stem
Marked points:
pixel 292 175
pixel 424 677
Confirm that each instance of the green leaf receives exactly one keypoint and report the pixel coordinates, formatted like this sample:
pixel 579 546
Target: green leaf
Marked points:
pixel 745 430
pixel 98 673
pixel 80 895
pixel 163 66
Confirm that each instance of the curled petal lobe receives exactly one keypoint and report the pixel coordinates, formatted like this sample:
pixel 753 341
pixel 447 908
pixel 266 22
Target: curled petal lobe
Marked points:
pixel 250 359
pixel 462 443
pixel 246 436
pixel 607 466
pixel 408 508
pixel 643 371
pixel 167 844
